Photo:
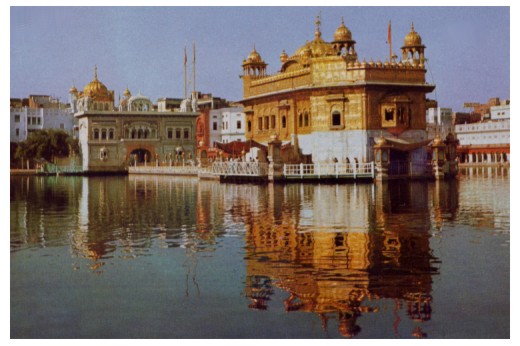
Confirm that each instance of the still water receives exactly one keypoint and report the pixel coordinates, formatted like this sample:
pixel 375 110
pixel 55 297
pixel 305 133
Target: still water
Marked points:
pixel 164 257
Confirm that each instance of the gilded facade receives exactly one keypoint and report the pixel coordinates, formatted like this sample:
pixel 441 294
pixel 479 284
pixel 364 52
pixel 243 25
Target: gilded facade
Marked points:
pixel 332 105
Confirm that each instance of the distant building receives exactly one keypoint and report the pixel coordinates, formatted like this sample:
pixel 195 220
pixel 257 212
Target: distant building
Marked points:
pixel 39 112
pixel 439 121
pixel 227 125
pixel 134 133
pixel 487 141
pixel 167 104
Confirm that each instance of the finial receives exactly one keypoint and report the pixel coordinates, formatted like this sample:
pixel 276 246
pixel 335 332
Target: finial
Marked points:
pixel 318 23
pixel 413 28
pixel 95 72
pixel 342 21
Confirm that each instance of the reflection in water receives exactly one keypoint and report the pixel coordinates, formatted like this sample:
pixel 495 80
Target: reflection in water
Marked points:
pixel 336 251
pixel 343 250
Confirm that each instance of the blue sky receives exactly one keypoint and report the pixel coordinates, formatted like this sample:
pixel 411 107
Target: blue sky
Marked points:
pixel 468 48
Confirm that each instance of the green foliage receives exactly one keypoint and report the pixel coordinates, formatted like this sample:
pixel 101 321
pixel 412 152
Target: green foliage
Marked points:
pixel 46 144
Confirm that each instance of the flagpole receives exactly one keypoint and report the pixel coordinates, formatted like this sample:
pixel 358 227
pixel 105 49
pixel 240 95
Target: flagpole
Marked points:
pixel 390 38
pixel 185 61
pixel 194 89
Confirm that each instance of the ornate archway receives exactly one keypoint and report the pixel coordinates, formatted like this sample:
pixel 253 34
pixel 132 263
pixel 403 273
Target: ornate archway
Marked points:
pixel 140 156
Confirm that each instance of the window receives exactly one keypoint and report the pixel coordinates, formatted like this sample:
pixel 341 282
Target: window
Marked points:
pixel 39 121
pixel 170 133
pixel 17 132
pixel 260 124
pixel 336 118
pixel 306 119
pixel 103 154
pixel 300 120
pixel 111 134
pixel 186 133
pixel 249 126
pixel 239 125
pixel 17 118
pixel 273 121
pixel 389 114
pixel 178 133
pixel 215 126
pixel 96 134
pixel 284 122
pixel 266 119
pixel 103 134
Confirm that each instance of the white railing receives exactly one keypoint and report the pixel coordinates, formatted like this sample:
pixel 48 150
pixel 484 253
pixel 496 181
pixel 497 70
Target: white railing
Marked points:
pixel 172 170
pixel 330 170
pixel 240 168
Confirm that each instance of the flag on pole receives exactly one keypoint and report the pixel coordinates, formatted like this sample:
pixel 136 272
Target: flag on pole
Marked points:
pixel 389 32
pixel 185 56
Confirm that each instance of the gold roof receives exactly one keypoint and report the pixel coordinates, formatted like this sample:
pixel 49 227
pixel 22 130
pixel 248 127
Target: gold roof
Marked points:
pixel 317 47
pixel 254 57
pixel 342 33
pixel 73 89
pixel 95 88
pixel 127 92
pixel 413 38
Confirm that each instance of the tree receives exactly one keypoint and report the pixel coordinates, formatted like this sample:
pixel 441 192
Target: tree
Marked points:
pixel 46 144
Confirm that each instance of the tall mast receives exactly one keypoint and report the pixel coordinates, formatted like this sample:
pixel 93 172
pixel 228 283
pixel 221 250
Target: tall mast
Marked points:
pixel 185 63
pixel 194 89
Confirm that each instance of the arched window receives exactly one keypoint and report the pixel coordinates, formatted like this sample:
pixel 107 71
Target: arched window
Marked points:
pixel 336 118
pixel 260 123
pixel 300 120
pixel 111 134
pixel 306 119
pixel 273 121
pixel 186 133
pixel 266 120
pixel 96 134
pixel 249 126
pixel 103 134
pixel 284 122
pixel 146 133
pixel 140 133
pixel 133 133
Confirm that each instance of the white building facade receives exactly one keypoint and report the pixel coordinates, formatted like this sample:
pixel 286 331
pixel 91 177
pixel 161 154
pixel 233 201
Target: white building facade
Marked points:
pixel 227 125
pixel 233 125
pixel 25 120
pixel 486 142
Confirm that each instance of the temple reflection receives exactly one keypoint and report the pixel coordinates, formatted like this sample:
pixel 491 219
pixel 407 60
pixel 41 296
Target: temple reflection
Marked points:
pixel 351 246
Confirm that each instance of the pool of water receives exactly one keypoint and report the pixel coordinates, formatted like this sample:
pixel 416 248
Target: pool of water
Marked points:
pixel 170 257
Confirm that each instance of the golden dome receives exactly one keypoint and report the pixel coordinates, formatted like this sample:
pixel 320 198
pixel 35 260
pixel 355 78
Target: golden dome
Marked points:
pixel 73 89
pixel 254 57
pixel 95 88
pixel 342 33
pixel 317 47
pixel 413 38
pixel 127 92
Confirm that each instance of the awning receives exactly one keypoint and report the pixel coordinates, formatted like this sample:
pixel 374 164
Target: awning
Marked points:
pixel 236 147
pixel 402 145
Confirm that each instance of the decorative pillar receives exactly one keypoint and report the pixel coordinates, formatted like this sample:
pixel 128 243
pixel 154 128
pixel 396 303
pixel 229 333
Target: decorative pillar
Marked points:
pixel 382 158
pixel 438 158
pixel 275 159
